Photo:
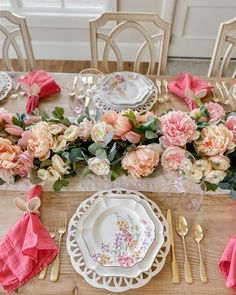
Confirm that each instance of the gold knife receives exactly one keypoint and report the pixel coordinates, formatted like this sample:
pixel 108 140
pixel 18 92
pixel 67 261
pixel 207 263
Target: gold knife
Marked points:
pixel 174 264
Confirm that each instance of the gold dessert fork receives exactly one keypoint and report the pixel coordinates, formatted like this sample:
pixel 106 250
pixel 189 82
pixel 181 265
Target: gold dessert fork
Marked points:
pixel 61 230
pixel 52 233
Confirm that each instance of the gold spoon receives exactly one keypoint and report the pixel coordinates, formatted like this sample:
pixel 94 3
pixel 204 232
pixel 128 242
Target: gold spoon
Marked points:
pixel 197 234
pixel 159 98
pixel 182 230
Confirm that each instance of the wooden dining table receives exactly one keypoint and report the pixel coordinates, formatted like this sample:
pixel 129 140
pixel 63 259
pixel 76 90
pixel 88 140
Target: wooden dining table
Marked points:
pixel 217 216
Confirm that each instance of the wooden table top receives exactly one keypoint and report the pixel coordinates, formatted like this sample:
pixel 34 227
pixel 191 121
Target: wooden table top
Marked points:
pixel 216 215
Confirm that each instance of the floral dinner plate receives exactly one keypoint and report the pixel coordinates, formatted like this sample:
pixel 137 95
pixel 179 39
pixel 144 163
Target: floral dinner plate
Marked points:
pixel 119 235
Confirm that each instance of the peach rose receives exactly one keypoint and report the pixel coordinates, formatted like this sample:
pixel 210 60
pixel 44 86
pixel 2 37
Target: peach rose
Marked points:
pixel 85 128
pixel 216 112
pixel 8 158
pixel 215 140
pixel 59 144
pixel 99 166
pixel 14 129
pixel 221 163
pixel 40 141
pixel 177 129
pixel 231 125
pixel 140 162
pixel 172 158
pixel 59 165
pixel 121 126
pixel 100 131
pixel 56 129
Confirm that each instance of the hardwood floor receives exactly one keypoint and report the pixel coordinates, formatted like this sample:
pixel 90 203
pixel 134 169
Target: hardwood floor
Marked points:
pixel 71 66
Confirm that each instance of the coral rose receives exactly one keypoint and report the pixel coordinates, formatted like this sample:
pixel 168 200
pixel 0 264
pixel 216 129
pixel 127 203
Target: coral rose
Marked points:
pixel 177 129
pixel 215 140
pixel 140 162
pixel 216 112
pixel 121 126
pixel 8 158
pixel 231 125
pixel 40 141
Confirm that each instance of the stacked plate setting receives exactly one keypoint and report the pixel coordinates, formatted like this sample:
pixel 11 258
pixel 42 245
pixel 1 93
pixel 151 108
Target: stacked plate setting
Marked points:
pixel 115 237
pixel 5 85
pixel 125 90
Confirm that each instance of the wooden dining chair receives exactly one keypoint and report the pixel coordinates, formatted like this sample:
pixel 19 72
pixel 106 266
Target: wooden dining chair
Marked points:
pixel 123 21
pixel 14 27
pixel 220 58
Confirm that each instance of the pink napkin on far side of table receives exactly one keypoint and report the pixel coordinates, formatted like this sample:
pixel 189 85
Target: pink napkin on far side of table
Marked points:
pixel 228 264
pixel 185 81
pixel 27 248
pixel 37 84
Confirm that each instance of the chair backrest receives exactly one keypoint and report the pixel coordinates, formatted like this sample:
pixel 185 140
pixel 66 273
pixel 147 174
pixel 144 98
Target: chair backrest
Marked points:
pixel 220 59
pixel 25 58
pixel 131 21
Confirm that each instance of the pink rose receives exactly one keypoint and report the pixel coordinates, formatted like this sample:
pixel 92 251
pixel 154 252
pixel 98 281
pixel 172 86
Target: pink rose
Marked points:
pixel 215 140
pixel 5 116
pixel 23 141
pixel 216 111
pixel 24 163
pixel 143 118
pixel 231 125
pixel 172 158
pixel 32 120
pixel 85 128
pixel 121 126
pixel 140 162
pixel 177 129
pixel 14 129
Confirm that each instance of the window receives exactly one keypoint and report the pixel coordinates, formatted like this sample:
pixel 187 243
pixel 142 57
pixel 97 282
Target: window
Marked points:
pixel 55 13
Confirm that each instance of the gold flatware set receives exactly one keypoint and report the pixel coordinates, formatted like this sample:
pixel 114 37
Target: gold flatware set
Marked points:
pixel 60 230
pixel 182 231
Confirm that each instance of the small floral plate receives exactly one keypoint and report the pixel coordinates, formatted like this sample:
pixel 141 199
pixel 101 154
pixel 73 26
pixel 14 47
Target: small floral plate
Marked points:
pixel 124 89
pixel 119 235
pixel 5 85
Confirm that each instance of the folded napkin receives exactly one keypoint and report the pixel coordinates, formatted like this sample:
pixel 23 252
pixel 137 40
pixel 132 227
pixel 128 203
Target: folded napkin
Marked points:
pixel 37 84
pixel 228 264
pixel 27 248
pixel 184 81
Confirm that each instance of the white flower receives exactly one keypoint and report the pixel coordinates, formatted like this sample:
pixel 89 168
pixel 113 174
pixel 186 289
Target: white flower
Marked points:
pixel 196 174
pixel 71 133
pixel 55 129
pixel 43 174
pixel 215 176
pixel 59 165
pixel 99 132
pixel 220 162
pixel 54 175
pixel 85 128
pixel 59 144
pixel 99 166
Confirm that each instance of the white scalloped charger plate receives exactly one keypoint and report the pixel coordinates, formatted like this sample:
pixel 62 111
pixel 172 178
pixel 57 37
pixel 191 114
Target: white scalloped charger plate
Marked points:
pixel 5 85
pixel 96 225
pixel 115 284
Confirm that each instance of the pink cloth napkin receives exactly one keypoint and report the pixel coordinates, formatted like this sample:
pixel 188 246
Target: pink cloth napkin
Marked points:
pixel 183 81
pixel 26 249
pixel 37 84
pixel 228 264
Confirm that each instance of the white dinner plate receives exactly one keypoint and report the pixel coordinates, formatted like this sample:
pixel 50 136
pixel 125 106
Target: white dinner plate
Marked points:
pixel 5 85
pixel 119 235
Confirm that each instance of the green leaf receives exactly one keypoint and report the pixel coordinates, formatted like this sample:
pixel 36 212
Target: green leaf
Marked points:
pixel 45 163
pixel 101 154
pixel 76 155
pixel 117 171
pixel 34 178
pixel 109 137
pixel 112 153
pixel 59 184
pixel 1 181
pixel 16 122
pixel 58 113
pixel 132 118
pixel 3 133
pixel 85 171
pixel 210 186
pixel 150 134
pixel 66 122
pixel 81 118
pixel 93 147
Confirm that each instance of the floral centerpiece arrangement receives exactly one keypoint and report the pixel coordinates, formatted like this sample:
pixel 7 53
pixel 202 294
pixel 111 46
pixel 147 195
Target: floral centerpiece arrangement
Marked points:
pixel 53 149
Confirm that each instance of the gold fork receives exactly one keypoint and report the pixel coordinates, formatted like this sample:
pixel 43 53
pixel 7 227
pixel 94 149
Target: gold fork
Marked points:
pixel 61 230
pixel 52 233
